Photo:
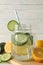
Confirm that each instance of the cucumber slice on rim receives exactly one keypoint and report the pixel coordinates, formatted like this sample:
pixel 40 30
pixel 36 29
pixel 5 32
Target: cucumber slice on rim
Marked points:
pixel 20 38
pixel 11 25
pixel 5 57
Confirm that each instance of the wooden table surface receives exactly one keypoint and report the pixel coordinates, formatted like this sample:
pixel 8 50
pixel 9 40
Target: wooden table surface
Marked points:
pixel 15 62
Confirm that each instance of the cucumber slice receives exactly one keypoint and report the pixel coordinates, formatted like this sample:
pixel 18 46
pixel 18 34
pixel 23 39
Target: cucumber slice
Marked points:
pixel 5 57
pixel 11 25
pixel 20 38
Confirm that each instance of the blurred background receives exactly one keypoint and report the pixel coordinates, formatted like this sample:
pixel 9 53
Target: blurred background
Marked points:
pixel 29 12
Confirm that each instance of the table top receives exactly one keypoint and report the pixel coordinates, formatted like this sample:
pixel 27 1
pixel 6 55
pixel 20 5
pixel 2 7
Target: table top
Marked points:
pixel 5 63
pixel 15 62
pixel 32 62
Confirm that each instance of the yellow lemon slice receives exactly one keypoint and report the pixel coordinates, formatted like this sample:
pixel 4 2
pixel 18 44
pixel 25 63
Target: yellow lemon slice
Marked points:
pixel 37 54
pixel 7 47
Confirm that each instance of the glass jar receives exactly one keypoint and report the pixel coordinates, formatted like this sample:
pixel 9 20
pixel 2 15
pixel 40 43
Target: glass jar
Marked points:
pixel 22 40
pixel 38 37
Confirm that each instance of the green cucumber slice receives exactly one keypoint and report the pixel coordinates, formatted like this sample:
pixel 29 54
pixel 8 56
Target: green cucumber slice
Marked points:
pixel 11 25
pixel 20 38
pixel 5 57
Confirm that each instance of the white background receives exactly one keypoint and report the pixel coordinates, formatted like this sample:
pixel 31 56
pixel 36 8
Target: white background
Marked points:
pixel 29 12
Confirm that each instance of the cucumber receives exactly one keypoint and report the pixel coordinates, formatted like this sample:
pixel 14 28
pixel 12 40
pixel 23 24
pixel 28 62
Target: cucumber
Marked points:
pixel 0 58
pixel 11 25
pixel 6 57
pixel 31 37
pixel 2 44
pixel 20 38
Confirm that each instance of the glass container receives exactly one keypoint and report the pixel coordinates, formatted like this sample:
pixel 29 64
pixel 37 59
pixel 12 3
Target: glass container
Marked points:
pixel 22 40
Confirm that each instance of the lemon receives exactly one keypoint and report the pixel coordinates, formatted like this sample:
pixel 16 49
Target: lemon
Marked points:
pixel 7 47
pixel 39 43
pixel 37 54
pixel 21 50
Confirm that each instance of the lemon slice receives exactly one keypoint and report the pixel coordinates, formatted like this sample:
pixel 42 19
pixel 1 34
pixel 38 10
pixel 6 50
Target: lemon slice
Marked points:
pixel 37 54
pixel 7 47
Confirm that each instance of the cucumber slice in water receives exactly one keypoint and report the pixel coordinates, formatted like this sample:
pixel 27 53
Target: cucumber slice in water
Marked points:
pixel 20 38
pixel 5 57
pixel 11 25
